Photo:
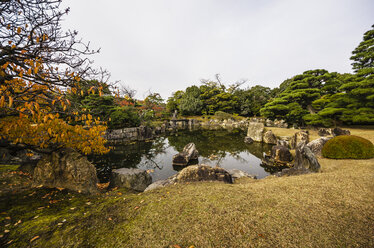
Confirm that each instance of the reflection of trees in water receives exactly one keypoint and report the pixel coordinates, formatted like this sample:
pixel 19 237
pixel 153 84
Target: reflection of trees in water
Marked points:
pixel 215 145
pixel 128 156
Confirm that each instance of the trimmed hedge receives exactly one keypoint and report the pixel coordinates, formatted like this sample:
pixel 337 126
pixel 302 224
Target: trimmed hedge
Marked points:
pixel 348 146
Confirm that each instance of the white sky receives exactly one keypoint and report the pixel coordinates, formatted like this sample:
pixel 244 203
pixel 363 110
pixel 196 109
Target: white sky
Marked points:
pixel 166 45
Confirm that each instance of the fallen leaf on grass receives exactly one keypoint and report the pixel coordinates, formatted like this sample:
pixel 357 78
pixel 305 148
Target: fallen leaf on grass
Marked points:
pixel 136 207
pixel 7 218
pixel 6 231
pixel 36 217
pixel 18 222
pixel 110 218
pixel 88 203
pixel 40 208
pixel 1 236
pixel 141 201
pixel 72 208
pixel 9 242
pixel 34 238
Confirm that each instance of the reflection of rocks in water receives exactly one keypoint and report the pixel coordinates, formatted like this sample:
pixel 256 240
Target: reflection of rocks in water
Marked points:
pixel 181 167
pixel 128 156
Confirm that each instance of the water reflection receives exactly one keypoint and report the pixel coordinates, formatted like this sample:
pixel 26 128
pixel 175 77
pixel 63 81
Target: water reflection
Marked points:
pixel 216 147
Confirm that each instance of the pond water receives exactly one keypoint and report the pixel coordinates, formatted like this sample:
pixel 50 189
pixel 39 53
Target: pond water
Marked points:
pixel 224 148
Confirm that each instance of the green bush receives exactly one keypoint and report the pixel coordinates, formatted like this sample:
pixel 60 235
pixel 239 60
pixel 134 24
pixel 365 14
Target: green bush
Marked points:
pixel 220 115
pixel 348 146
pixel 122 117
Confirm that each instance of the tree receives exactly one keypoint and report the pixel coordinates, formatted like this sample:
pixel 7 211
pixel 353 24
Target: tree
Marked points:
pixel 299 94
pixel 39 65
pixel 174 101
pixel 363 55
pixel 190 103
pixel 252 100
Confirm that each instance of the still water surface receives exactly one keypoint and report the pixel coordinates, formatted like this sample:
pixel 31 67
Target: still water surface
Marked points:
pixel 216 148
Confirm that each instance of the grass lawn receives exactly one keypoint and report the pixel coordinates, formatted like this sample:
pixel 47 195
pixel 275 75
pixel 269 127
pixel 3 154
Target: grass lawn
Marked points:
pixel 333 208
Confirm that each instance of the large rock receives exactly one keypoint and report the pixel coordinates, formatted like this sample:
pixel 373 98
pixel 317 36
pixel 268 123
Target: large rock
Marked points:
pixel 68 169
pixel 305 159
pixel 236 174
pixel 269 123
pixel 281 154
pixel 270 138
pixel 316 145
pixel 188 154
pixel 324 132
pixel 338 131
pixel 195 173
pixel 255 131
pixel 130 178
pixel 162 183
pixel 301 136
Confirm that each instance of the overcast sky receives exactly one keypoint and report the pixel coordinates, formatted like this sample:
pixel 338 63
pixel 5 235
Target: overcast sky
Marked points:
pixel 166 45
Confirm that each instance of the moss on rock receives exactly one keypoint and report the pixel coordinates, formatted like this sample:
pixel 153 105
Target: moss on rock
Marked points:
pixel 348 147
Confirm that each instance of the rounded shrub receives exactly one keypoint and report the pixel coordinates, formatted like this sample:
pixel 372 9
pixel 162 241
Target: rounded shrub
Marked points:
pixel 348 146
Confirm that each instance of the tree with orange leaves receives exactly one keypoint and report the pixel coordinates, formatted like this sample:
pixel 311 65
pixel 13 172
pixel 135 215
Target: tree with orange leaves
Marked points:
pixel 39 65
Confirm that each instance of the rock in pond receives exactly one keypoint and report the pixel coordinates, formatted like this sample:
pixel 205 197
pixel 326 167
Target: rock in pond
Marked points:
pixel 68 169
pixel 202 172
pixel 255 131
pixel 316 145
pixel 270 138
pixel 189 153
pixel 130 178
pixel 281 154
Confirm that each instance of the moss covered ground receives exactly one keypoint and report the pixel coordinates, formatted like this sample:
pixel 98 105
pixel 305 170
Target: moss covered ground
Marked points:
pixel 333 208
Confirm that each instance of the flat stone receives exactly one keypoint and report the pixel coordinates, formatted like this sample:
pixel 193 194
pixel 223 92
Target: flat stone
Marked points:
pixel 130 178
pixel 236 174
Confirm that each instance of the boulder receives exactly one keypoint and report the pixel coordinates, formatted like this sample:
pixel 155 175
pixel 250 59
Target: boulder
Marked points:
pixel 305 159
pixel 281 154
pixel 269 123
pixel 280 123
pixel 195 173
pixel 236 174
pixel 130 178
pixel 284 143
pixel 269 138
pixel 255 131
pixel 162 183
pixel 301 136
pixel 338 131
pixel 189 153
pixel 248 140
pixel 68 169
pixel 316 145
pixel 324 132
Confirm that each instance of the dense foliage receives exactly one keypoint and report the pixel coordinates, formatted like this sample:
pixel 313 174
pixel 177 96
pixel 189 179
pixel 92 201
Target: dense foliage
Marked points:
pixel 39 65
pixel 348 147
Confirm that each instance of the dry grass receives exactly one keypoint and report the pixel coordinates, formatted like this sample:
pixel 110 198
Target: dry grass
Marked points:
pixel 333 208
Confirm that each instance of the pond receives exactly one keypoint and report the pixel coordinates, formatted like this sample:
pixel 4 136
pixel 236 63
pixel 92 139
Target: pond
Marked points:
pixel 224 148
